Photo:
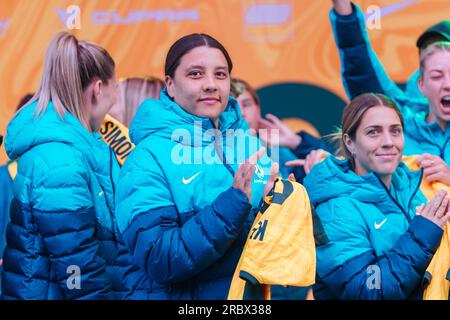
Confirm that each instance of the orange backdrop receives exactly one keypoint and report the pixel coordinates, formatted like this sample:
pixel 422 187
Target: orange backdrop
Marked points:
pixel 292 44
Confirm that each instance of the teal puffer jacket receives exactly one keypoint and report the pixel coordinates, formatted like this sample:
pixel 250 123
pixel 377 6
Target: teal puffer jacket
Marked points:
pixel 63 241
pixel 372 246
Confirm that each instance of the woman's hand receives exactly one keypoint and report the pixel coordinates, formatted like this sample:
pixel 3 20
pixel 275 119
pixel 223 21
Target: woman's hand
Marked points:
pixel 274 170
pixel 313 158
pixel 244 176
pixel 286 138
pixel 436 210
pixel 434 168
pixel 342 7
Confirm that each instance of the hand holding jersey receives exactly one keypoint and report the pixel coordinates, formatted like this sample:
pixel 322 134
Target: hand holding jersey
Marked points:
pixel 434 168
pixel 436 210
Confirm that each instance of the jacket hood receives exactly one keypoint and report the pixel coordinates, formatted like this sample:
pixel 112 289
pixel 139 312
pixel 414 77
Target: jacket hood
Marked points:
pixel 26 130
pixel 334 178
pixel 165 118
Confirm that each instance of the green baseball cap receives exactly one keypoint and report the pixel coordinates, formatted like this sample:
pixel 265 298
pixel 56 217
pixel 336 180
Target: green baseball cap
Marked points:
pixel 438 32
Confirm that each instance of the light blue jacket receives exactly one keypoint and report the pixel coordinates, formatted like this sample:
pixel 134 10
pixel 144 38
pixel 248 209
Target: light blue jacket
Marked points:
pixel 6 194
pixel 372 245
pixel 362 72
pixel 181 218
pixel 62 223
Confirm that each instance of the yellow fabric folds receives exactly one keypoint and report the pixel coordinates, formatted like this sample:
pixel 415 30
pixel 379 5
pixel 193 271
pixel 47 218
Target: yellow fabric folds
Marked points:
pixel 438 271
pixel 280 248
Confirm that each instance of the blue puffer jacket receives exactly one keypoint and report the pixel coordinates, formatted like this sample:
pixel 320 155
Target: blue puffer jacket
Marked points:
pixel 180 217
pixel 362 72
pixel 413 93
pixel 410 96
pixel 61 215
pixel 6 194
pixel 372 245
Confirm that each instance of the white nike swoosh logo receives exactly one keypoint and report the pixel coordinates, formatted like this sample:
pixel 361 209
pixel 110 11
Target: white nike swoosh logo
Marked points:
pixel 378 225
pixel 186 181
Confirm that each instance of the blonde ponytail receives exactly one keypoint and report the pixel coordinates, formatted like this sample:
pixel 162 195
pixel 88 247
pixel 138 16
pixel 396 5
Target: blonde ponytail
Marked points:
pixel 70 66
pixel 337 141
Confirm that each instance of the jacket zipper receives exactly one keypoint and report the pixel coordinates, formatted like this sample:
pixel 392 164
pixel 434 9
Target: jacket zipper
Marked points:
pixel 417 187
pixel 442 151
pixel 410 199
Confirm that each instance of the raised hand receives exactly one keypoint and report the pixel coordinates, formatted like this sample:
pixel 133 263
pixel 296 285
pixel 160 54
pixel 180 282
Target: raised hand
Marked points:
pixel 287 138
pixel 274 170
pixel 436 210
pixel 342 7
pixel 434 168
pixel 313 158
pixel 244 176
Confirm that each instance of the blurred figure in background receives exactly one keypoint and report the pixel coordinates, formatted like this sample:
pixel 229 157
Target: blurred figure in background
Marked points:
pixel 114 130
pixel 298 151
pixel 133 91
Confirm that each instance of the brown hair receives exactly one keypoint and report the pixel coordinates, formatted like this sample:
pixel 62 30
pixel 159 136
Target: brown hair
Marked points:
pixel 238 86
pixel 134 90
pixel 353 115
pixel 185 44
pixel 70 67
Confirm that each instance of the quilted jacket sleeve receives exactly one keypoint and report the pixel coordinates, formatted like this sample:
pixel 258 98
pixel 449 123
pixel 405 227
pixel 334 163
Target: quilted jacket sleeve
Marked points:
pixel 168 250
pixel 361 69
pixel 66 220
pixel 350 268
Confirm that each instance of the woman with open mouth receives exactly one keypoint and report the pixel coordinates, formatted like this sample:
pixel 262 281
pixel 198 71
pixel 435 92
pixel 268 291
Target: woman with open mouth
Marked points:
pixel 426 132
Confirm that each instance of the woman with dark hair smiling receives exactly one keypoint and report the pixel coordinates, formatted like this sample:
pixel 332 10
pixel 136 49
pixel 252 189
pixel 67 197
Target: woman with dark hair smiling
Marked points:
pixel 186 222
